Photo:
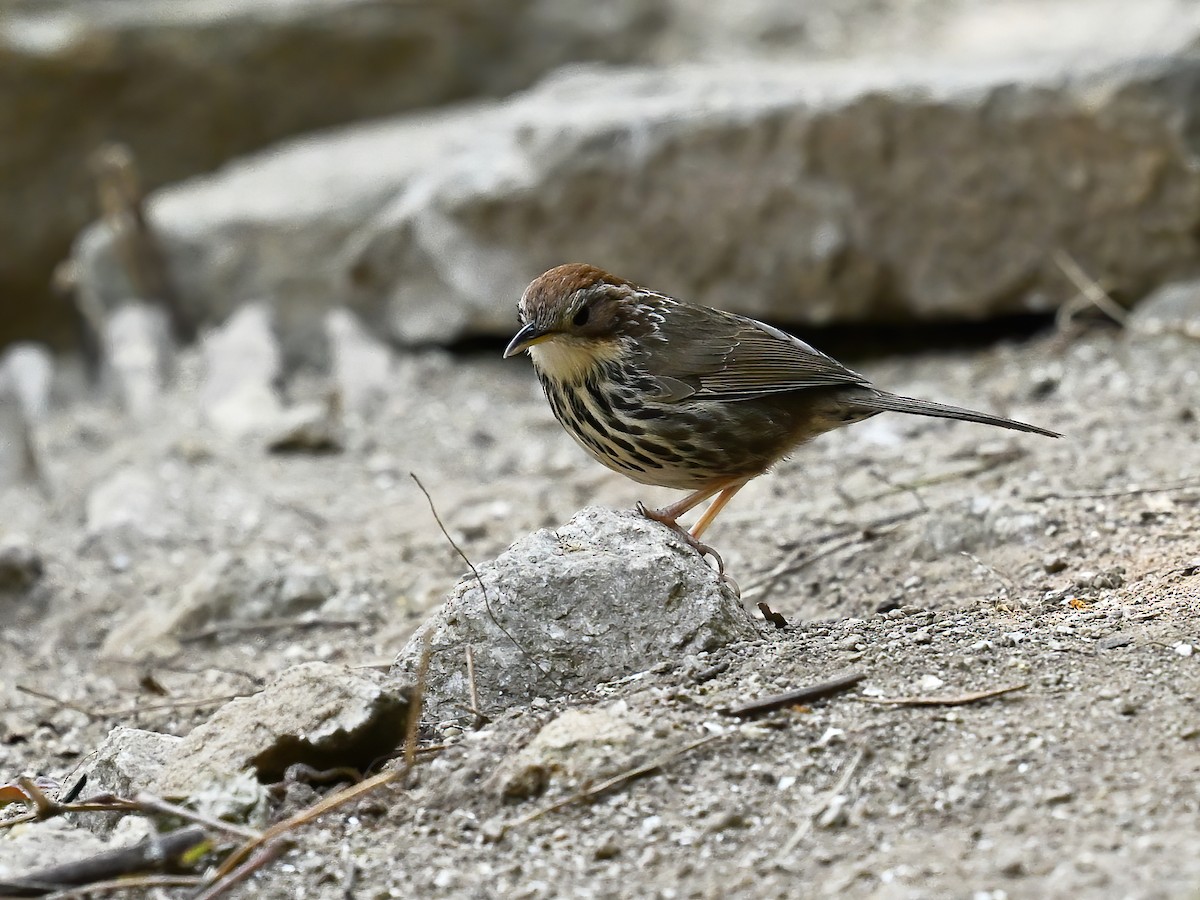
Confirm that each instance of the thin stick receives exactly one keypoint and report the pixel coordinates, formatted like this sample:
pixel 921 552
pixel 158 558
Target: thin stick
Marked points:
pixel 415 702
pixel 46 808
pixel 119 712
pixel 898 488
pixel 265 625
pixel 806 823
pixel 792 565
pixel 1090 290
pixel 65 704
pixel 263 856
pixel 127 883
pixel 961 700
pixel 328 804
pixel 617 780
pixel 1192 481
pixel 801 695
pixel 480 719
pixel 150 804
pixel 854 534
pixel 1007 583
pixel 487 603
pixel 149 854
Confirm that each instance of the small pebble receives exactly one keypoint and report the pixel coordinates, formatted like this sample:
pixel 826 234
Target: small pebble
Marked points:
pixel 1184 649
pixel 921 636
pixel 929 683
pixel 1052 565
pixel 607 848
pixel 20 566
pixel 834 815
pixel 1113 641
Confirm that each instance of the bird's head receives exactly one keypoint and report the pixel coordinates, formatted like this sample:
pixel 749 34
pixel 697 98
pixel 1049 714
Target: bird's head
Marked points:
pixel 574 318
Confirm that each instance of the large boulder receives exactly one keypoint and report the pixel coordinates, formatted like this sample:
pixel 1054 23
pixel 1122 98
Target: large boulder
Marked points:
pixel 190 85
pixel 804 193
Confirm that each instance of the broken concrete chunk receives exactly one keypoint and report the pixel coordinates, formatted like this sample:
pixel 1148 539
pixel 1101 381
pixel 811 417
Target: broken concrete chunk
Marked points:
pixel 318 714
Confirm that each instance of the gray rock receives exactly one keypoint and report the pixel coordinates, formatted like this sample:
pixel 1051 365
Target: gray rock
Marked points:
pixel 36 845
pixel 139 352
pixel 317 714
pixel 230 588
pixel 838 193
pixel 970 32
pixel 18 455
pixel 127 763
pixel 1113 641
pixel 242 366
pixel 578 745
pixel 1172 309
pixel 313 427
pixel 88 70
pixel 30 370
pixel 130 500
pixel 21 566
pixel 606 595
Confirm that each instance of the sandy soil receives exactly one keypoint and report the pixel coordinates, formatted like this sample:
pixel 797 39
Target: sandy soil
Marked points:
pixel 939 559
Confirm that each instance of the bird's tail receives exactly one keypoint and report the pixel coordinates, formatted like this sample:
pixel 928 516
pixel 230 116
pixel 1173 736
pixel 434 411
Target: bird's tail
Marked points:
pixel 885 402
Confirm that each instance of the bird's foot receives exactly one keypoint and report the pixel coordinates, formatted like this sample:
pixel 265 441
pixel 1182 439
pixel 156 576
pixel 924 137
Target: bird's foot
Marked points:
pixel 657 515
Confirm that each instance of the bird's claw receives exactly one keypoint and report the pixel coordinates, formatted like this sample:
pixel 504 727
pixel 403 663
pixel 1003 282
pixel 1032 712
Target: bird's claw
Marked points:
pixel 695 543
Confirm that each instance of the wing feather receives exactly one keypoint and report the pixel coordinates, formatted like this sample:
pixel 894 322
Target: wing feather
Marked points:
pixel 723 356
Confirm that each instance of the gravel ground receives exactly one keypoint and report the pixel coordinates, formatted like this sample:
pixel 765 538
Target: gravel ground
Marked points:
pixel 938 559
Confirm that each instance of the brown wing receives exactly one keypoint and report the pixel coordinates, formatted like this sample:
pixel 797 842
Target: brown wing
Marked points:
pixel 699 351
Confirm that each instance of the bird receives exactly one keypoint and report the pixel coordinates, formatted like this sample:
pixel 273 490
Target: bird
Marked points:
pixel 685 396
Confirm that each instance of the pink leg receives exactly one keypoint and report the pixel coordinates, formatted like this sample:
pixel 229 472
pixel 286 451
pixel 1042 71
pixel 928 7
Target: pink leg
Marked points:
pixel 715 507
pixel 669 515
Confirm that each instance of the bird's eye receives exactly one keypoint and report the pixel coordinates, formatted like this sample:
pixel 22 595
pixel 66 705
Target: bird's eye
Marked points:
pixel 580 318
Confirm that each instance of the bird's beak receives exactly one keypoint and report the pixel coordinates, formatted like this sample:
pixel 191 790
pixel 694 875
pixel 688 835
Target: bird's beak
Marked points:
pixel 525 338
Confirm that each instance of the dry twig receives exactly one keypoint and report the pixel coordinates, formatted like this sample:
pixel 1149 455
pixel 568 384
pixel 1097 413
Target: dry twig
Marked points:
pixel 480 718
pixel 150 855
pixel 617 780
pixel 121 712
pixel 229 628
pixel 801 695
pixel 1182 484
pixel 487 603
pixel 806 823
pixel 801 558
pixel 1090 294
pixel 961 700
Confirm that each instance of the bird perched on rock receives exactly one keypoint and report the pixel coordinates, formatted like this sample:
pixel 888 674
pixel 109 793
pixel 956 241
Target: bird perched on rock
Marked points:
pixel 685 396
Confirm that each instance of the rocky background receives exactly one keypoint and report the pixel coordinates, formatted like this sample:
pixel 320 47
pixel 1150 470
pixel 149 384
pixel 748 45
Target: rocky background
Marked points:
pixel 258 261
